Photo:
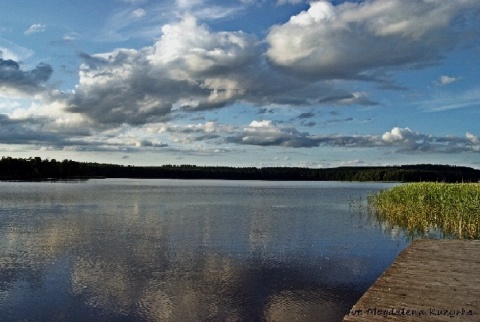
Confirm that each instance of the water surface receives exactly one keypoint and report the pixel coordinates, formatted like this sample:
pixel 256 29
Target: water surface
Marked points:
pixel 178 250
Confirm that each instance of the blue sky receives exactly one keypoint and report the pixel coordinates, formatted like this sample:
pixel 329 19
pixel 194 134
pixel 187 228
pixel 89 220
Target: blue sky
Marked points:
pixel 241 82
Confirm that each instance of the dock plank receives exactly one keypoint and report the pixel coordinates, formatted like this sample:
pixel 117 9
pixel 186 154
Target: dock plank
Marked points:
pixel 431 280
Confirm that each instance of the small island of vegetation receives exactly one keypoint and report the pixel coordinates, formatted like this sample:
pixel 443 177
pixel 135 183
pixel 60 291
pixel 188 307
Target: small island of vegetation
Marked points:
pixel 37 169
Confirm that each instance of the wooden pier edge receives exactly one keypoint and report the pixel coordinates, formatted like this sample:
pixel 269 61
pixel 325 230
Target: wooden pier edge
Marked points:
pixel 431 280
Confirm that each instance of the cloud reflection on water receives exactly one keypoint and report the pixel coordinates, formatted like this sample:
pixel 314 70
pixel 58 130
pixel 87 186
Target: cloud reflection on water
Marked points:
pixel 148 256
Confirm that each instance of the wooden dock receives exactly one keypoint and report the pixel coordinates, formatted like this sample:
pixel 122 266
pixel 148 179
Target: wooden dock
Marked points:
pixel 431 280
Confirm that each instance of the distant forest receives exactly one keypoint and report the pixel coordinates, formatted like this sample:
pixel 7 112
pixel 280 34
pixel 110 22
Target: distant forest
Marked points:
pixel 38 169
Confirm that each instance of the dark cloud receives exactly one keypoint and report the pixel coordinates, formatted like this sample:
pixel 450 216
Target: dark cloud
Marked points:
pixel 357 98
pixel 91 61
pixel 37 131
pixel 346 120
pixel 29 82
pixel 309 124
pixel 267 133
pixel 44 132
pixel 264 110
pixel 148 143
pixel 306 115
pixel 206 137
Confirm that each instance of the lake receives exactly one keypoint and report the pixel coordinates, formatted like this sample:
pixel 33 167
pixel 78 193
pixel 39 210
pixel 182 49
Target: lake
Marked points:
pixel 188 250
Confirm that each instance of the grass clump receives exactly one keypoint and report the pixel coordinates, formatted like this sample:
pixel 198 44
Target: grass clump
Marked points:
pixel 453 210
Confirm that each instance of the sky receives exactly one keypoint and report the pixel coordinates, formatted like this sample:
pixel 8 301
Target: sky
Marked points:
pixel 241 82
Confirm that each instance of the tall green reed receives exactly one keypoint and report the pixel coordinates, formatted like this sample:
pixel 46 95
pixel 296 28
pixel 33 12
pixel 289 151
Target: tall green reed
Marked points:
pixel 422 208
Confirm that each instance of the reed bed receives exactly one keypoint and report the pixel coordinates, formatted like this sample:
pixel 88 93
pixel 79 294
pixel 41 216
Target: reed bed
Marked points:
pixel 452 210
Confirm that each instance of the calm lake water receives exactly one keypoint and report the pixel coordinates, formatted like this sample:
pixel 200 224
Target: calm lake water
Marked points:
pixel 177 250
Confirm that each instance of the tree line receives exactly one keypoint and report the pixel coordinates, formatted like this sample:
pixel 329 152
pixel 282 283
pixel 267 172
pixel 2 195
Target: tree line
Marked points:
pixel 35 168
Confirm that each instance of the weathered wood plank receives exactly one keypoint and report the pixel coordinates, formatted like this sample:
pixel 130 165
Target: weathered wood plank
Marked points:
pixel 431 280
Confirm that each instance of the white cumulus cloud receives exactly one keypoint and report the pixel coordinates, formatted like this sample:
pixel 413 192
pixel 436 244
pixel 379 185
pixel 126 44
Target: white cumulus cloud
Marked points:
pixel 445 80
pixel 400 135
pixel 358 40
pixel 138 13
pixel 35 28
pixel 472 138
pixel 189 64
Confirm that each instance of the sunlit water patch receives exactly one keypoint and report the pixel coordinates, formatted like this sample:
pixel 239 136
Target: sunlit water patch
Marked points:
pixel 175 250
